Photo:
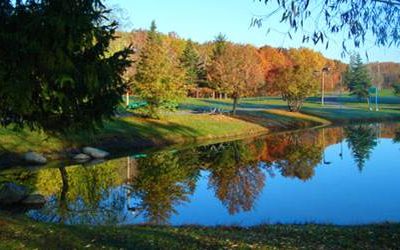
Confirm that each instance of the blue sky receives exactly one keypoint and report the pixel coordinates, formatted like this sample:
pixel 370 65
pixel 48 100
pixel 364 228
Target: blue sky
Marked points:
pixel 202 20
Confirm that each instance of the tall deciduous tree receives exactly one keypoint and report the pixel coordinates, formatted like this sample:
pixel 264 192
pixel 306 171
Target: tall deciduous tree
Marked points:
pixel 357 78
pixel 55 69
pixel 159 80
pixel 299 80
pixel 237 71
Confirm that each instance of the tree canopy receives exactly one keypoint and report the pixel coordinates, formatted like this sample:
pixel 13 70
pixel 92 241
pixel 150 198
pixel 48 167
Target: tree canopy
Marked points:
pixel 350 20
pixel 357 77
pixel 300 78
pixel 159 79
pixel 55 69
pixel 237 71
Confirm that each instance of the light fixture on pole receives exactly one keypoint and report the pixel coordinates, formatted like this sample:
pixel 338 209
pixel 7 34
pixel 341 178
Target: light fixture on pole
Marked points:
pixel 324 70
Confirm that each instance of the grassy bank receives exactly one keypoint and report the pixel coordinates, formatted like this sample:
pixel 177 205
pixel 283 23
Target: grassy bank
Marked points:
pixel 22 233
pixel 255 116
pixel 131 132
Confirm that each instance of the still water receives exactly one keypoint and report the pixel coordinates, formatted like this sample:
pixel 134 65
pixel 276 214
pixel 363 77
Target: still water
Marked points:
pixel 340 175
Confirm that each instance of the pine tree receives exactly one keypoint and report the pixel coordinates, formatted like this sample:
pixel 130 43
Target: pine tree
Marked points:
pixel 158 79
pixel 219 46
pixel 190 61
pixel 357 78
pixel 56 72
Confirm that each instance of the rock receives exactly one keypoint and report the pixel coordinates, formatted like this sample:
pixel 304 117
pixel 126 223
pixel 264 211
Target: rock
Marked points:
pixel 11 193
pixel 35 158
pixel 95 153
pixel 34 200
pixel 82 157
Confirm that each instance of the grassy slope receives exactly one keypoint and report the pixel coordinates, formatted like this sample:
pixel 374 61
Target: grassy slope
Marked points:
pixel 258 115
pixel 130 131
pixel 21 233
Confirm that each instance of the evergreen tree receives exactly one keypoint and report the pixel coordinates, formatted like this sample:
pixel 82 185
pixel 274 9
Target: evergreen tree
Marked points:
pixel 158 78
pixel 55 69
pixel 361 140
pixel 190 61
pixel 219 46
pixel 357 78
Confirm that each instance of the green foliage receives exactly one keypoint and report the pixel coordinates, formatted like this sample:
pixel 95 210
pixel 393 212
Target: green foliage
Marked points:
pixel 298 81
pixel 357 77
pixel 55 69
pixel 220 43
pixel 163 181
pixel 396 88
pixel 159 80
pixel 361 139
pixel 191 63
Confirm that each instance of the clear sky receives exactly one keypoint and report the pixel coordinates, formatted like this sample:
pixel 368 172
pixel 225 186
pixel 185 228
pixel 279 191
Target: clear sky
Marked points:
pixel 202 20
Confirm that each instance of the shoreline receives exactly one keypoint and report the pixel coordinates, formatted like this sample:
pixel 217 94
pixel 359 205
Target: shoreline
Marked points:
pixel 126 141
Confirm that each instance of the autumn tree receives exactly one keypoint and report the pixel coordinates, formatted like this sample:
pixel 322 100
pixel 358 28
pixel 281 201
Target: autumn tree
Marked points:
pixel 357 78
pixel 55 69
pixel 237 71
pixel 236 175
pixel 158 80
pixel 300 79
pixel 273 60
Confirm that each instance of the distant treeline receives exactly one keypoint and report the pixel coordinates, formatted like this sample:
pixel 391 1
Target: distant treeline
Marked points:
pixel 272 59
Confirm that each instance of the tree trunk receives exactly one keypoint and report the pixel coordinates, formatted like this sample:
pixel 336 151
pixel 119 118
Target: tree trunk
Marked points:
pixel 235 102
pixel 63 195
pixel 369 105
pixel 127 98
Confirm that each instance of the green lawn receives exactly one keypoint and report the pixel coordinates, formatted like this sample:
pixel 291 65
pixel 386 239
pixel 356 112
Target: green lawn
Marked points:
pixel 255 116
pixel 21 233
pixel 128 132
pixel 335 113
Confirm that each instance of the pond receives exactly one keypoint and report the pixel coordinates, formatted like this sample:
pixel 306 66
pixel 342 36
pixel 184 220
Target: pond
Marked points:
pixel 340 175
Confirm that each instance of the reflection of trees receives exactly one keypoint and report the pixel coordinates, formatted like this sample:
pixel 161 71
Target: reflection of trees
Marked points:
pixel 297 156
pixel 164 180
pixel 235 175
pixel 80 194
pixel 397 136
pixel 361 139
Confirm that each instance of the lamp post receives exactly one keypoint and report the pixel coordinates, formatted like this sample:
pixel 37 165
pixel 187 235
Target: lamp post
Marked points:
pixel 324 70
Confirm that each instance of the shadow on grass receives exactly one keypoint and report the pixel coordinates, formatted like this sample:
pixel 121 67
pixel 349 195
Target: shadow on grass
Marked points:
pixel 125 135
pixel 17 233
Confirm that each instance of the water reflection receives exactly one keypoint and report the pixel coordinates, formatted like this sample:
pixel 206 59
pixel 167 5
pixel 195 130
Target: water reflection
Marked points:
pixel 361 139
pixel 154 189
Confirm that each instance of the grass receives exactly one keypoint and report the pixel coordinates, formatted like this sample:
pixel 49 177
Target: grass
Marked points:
pixel 22 233
pixel 255 116
pixel 311 111
pixel 131 132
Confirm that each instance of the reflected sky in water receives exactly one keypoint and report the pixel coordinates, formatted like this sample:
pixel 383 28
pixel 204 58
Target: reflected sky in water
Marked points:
pixel 342 175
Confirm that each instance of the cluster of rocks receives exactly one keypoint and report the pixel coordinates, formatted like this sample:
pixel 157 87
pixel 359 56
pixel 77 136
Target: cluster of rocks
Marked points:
pixel 87 154
pixel 13 194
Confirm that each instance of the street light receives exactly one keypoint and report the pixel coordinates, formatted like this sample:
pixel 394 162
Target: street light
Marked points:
pixel 324 70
